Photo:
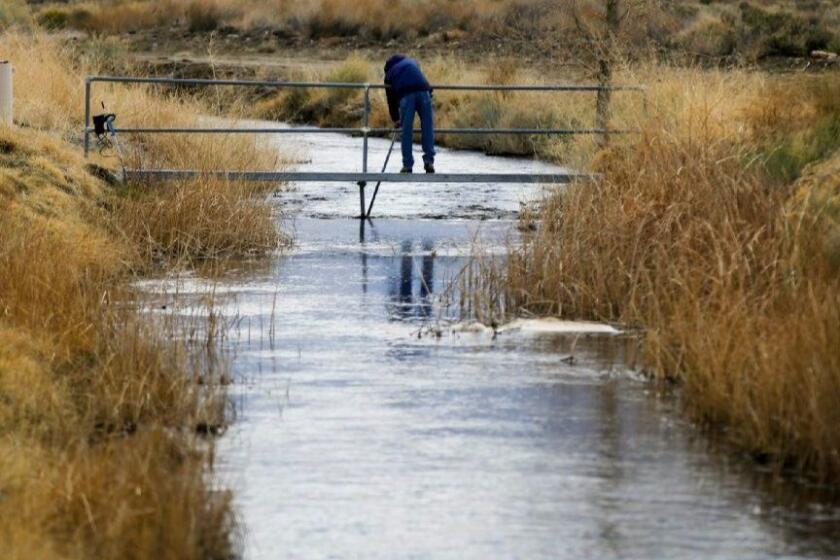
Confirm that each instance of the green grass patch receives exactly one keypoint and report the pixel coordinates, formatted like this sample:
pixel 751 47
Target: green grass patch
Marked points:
pixel 785 162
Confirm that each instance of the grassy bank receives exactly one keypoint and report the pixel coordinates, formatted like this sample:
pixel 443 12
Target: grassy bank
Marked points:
pixel 713 234
pixel 186 219
pixel 101 409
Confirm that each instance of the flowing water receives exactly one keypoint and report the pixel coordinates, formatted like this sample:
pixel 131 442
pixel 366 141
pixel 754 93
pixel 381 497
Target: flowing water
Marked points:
pixel 370 425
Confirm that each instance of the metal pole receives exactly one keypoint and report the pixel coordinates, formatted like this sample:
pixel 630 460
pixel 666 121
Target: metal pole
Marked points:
pixel 384 166
pixel 365 129
pixel 6 93
pixel 87 116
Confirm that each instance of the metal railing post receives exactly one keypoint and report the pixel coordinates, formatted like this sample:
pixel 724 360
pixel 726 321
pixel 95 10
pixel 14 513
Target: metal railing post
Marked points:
pixel 365 131
pixel 87 116
pixel 6 93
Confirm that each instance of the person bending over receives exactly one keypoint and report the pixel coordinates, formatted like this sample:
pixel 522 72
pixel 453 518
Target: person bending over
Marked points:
pixel 408 93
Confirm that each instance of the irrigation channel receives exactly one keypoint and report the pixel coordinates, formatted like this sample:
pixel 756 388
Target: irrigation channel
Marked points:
pixel 360 433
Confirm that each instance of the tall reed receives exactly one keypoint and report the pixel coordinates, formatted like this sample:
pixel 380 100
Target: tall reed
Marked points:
pixel 692 236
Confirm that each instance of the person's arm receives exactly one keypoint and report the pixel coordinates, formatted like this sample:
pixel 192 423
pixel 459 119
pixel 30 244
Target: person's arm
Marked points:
pixel 393 103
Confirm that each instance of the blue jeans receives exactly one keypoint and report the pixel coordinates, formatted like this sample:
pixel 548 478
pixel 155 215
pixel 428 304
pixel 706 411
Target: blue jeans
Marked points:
pixel 421 103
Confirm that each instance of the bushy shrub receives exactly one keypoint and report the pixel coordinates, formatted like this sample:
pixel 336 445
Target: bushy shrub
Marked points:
pixel 14 13
pixel 331 19
pixel 780 33
pixel 330 107
pixel 53 19
pixel 79 18
pixel 203 16
pixel 709 36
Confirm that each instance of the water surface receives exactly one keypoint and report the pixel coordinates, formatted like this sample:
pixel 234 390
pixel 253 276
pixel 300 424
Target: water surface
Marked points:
pixel 368 428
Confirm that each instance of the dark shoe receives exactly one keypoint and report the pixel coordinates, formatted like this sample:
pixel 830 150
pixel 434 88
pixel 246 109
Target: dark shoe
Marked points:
pixel 405 170
pixel 430 168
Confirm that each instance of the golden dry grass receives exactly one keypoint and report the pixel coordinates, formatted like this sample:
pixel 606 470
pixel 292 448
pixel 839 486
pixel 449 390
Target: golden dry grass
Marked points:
pixel 209 218
pixel 99 405
pixel 694 235
pixel 51 97
pixel 195 220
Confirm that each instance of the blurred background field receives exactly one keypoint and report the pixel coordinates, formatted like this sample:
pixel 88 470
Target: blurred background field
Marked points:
pixel 708 29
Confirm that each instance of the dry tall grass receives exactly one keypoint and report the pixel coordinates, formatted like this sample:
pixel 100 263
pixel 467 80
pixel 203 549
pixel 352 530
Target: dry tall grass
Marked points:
pixel 695 234
pixel 209 218
pixel 100 407
pixel 195 220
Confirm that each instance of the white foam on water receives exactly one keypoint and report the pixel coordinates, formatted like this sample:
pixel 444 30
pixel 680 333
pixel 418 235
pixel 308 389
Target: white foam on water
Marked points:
pixel 557 326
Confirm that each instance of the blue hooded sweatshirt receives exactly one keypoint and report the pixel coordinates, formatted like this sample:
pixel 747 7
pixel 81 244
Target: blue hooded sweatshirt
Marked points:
pixel 403 76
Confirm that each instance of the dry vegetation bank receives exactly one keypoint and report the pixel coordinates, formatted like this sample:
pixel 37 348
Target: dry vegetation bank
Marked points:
pixel 100 405
pixel 185 220
pixel 714 235
pixel 749 29
pixel 98 455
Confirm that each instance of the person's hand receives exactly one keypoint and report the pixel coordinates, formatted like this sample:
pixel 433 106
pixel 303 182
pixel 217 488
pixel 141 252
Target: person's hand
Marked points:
pixel 396 124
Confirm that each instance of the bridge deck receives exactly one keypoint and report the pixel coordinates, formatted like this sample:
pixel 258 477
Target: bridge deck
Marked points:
pixel 294 176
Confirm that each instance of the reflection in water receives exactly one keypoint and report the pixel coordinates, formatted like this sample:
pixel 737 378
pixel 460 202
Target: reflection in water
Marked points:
pixel 491 448
pixel 427 272
pixel 403 304
pixel 610 466
pixel 804 515
pixel 364 227
pixel 461 446
pixel 363 255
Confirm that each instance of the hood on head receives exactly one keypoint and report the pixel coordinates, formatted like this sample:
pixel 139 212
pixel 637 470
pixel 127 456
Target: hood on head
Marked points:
pixel 393 61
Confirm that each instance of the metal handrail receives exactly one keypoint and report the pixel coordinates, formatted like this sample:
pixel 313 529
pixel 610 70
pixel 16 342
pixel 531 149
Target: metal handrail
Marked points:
pixel 312 130
pixel 354 85
pixel 365 130
pixel 366 87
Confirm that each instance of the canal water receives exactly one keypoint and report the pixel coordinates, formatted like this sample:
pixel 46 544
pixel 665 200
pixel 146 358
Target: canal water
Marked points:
pixel 370 423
